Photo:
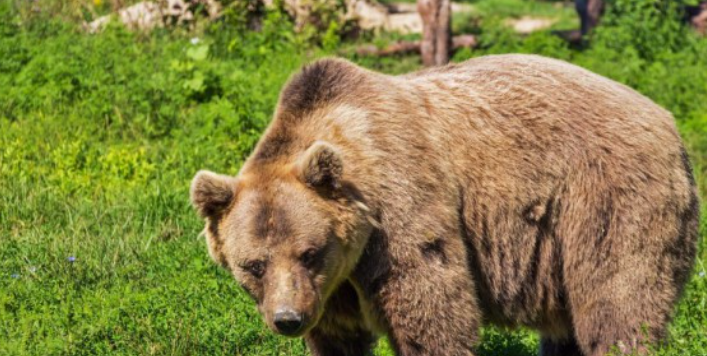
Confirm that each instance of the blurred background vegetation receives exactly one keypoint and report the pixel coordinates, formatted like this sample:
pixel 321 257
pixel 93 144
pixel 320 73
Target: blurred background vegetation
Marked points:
pixel 101 133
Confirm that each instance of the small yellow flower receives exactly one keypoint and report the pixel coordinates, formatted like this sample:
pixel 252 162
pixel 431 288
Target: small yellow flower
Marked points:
pixel 97 2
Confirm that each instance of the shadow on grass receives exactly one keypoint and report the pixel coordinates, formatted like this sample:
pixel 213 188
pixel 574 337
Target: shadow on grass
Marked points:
pixel 494 342
pixel 503 343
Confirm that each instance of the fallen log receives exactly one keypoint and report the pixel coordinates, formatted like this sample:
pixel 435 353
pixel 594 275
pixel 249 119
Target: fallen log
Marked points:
pixel 407 47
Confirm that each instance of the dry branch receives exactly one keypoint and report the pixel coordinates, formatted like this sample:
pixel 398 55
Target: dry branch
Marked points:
pixel 406 47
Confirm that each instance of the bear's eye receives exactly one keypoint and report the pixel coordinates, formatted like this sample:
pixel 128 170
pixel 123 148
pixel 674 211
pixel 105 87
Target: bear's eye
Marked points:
pixel 310 258
pixel 256 268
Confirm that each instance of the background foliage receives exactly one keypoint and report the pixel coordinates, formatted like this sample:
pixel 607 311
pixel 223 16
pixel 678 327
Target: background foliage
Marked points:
pixel 101 134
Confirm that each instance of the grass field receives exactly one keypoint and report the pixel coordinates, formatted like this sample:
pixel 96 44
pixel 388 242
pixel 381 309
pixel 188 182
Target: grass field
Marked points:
pixel 101 134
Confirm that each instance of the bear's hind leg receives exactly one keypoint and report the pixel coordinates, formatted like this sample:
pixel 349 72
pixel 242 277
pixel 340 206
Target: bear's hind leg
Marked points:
pixel 621 309
pixel 604 329
pixel 549 347
pixel 625 261
pixel 623 305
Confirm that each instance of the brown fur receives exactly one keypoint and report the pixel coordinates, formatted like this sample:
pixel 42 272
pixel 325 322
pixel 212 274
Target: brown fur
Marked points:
pixel 485 192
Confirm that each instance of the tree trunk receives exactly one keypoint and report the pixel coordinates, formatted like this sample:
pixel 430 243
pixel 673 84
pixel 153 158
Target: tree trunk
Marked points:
pixel 436 31
pixel 590 12
pixel 595 10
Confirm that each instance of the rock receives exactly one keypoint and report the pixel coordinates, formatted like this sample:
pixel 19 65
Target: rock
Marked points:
pixel 147 15
pixel 369 16
pixel 141 16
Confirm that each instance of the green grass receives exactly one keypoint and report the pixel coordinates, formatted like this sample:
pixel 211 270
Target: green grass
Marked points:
pixel 101 134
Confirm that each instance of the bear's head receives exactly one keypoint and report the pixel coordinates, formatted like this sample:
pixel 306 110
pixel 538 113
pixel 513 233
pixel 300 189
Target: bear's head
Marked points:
pixel 290 233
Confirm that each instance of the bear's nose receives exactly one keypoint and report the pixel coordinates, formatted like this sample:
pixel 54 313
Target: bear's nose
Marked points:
pixel 287 322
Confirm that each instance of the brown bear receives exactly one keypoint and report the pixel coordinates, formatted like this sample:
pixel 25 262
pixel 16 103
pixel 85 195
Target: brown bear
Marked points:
pixel 510 190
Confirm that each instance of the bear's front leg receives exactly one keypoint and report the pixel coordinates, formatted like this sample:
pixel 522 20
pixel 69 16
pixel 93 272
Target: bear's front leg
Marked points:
pixel 424 293
pixel 341 330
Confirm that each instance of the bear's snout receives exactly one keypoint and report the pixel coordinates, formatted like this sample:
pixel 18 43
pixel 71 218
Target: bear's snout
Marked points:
pixel 291 304
pixel 287 321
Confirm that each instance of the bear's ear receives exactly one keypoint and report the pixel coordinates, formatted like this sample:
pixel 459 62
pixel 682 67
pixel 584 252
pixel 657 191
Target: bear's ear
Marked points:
pixel 212 193
pixel 320 166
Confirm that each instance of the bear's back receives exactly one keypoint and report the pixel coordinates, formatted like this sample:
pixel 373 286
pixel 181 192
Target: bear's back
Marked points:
pixel 528 87
pixel 530 113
